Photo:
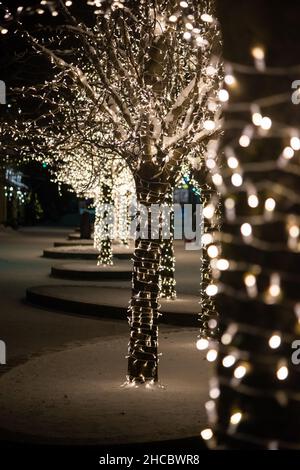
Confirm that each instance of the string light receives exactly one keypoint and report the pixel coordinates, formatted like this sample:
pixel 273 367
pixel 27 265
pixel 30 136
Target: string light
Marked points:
pixel 246 230
pixel 230 80
pixel 253 201
pixel 212 355
pixel 209 211
pixel 222 264
pixel 266 123
pixel 282 371
pixel 206 434
pixel 233 163
pixel 261 242
pixel 240 371
pixel 202 344
pixel 236 417
pixel 270 204
pixel 275 341
pixel 257 119
pixel 237 180
pixel 212 251
pixel 223 96
pixel 212 290
pixel 228 361
pixel 244 141
pixel 250 283
pixel 295 143
pixel 288 153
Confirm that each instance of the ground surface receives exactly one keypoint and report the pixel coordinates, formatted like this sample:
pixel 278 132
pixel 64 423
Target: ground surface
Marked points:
pixel 64 371
pixel 75 395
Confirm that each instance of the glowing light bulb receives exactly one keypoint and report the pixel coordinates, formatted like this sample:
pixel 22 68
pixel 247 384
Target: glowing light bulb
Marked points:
pixel 211 290
pixel 230 80
pixel 202 344
pixel 250 280
pixel 257 119
pixel 275 291
pixel 209 125
pixel 173 19
pixel 244 141
pixel 275 341
pixel 210 163
pixel 236 418
pixel 68 3
pixel 228 361
pixel 4 31
pixel 240 372
pixel 237 180
pixel 206 239
pixel 282 372
pixel 212 355
pixel 187 35
pixel 266 123
pixel 223 96
pixel 212 251
pixel 212 324
pixel 223 264
pixel 295 143
pixel 214 393
pixel 209 211
pixel 270 204
pixel 217 179
pixel 258 53
pixel 288 153
pixel 246 230
pixel 233 162
pixel 294 231
pixel 253 201
pixel 207 434
pixel 183 4
pixel 206 17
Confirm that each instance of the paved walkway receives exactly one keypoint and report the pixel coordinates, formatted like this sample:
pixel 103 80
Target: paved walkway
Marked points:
pixel 75 395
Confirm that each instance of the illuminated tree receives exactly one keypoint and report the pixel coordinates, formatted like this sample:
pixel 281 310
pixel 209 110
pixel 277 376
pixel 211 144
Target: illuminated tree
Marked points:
pixel 141 81
pixel 254 397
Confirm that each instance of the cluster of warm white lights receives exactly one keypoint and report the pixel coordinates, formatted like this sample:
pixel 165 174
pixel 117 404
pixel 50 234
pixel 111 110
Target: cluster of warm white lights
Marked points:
pixel 265 202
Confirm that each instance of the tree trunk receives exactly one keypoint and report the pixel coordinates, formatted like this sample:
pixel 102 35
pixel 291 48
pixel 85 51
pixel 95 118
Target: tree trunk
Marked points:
pixel 102 235
pixel 144 306
pixel 167 265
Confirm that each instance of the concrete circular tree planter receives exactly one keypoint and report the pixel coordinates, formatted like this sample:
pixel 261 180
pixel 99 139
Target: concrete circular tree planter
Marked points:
pixel 89 271
pixel 85 252
pixel 110 302
pixel 79 242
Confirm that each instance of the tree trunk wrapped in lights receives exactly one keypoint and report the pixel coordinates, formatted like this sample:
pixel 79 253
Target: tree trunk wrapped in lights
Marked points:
pixel 255 395
pixel 167 263
pixel 103 224
pixel 142 83
pixel 144 304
